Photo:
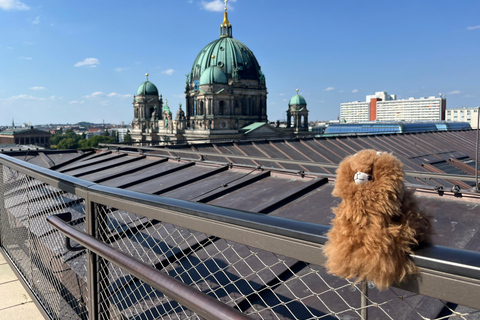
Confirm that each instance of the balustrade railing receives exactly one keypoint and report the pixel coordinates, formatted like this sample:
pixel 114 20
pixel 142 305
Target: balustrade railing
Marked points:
pixel 149 257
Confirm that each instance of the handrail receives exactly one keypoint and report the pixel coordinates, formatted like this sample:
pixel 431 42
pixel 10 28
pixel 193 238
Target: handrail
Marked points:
pixel 196 301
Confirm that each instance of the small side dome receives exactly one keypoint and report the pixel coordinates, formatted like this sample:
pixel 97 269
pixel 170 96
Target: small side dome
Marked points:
pixel 147 89
pixel 213 75
pixel 166 108
pixel 297 100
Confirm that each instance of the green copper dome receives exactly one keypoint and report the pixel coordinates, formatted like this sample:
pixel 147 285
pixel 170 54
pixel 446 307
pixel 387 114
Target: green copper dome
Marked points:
pixel 147 89
pixel 213 75
pixel 234 58
pixel 297 100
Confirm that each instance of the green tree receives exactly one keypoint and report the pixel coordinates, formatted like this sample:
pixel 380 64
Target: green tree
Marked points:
pixel 94 141
pixel 127 138
pixel 115 135
pixel 70 135
pixel 67 143
pixel 55 139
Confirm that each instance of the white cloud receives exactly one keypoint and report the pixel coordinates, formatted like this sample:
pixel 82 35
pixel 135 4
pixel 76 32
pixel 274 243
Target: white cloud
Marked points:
pixel 354 90
pixel 13 5
pixel 168 72
pixel 88 62
pixel 329 89
pixel 22 97
pixel 76 102
pixel 121 69
pixel 95 95
pixel 38 88
pixel 26 58
pixel 455 92
pixel 216 5
pixel 119 95
pixel 29 97
pixel 36 20
pixel 473 27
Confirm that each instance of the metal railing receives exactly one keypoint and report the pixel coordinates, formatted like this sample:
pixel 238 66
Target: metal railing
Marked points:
pixel 262 266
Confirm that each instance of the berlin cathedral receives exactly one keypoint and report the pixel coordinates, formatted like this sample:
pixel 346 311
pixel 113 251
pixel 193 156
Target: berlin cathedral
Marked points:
pixel 225 98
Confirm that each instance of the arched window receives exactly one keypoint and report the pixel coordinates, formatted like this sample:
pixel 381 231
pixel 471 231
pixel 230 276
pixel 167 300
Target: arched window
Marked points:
pixel 221 108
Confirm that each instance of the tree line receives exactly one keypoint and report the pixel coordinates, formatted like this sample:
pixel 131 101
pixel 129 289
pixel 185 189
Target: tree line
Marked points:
pixel 70 140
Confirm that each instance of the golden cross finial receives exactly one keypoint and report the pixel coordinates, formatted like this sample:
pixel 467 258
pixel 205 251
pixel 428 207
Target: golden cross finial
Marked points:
pixel 297 91
pixel 226 5
pixel 166 101
pixel 147 75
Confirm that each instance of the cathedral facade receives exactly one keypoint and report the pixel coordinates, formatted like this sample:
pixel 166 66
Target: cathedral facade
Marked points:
pixel 225 97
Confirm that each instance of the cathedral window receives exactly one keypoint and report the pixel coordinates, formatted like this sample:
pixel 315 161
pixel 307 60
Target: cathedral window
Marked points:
pixel 221 108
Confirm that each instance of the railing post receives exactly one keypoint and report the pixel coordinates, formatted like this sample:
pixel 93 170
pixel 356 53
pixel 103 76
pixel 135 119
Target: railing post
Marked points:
pixel 99 303
pixel 103 282
pixel 364 300
pixel 2 203
pixel 92 262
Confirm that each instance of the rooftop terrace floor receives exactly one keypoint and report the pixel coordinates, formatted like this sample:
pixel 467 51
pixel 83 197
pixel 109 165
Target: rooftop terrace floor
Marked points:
pixel 15 302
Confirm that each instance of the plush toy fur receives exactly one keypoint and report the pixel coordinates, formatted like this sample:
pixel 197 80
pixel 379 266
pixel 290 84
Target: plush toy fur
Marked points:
pixel 377 222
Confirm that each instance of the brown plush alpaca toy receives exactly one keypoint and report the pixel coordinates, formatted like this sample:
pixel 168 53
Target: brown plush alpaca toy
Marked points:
pixel 377 222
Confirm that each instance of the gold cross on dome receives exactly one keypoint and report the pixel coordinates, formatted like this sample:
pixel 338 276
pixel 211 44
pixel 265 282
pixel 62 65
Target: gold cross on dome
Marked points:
pixel 225 5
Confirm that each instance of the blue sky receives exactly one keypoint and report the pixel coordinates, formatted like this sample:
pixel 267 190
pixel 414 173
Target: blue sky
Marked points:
pixel 69 61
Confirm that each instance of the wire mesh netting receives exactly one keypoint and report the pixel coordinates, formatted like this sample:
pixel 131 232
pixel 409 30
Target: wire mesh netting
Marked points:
pixel 261 284
pixel 56 277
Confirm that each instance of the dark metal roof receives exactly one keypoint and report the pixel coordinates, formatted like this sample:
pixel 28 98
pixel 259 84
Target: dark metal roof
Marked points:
pixel 285 178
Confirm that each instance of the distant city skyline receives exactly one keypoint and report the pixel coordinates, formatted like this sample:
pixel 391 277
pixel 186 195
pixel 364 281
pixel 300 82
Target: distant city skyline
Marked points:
pixel 66 61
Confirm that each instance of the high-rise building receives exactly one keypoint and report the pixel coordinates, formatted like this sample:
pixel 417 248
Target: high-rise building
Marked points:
pixel 469 115
pixel 385 107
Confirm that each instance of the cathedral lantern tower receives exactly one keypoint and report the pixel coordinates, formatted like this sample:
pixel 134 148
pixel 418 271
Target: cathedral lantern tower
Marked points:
pixel 226 88
pixel 297 114
pixel 147 110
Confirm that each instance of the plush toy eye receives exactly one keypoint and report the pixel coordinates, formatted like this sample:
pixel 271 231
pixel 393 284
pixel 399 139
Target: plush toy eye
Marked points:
pixel 362 177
